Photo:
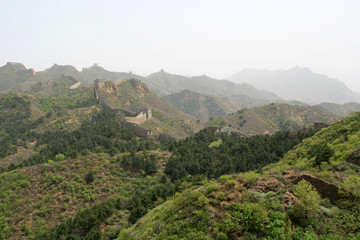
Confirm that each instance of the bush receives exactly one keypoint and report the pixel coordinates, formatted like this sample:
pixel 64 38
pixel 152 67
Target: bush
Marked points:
pixel 90 176
pixel 308 205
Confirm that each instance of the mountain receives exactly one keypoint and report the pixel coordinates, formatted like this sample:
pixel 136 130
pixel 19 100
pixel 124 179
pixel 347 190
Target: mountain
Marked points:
pixel 165 83
pixel 299 84
pixel 87 75
pixel 238 96
pixel 161 83
pixel 341 110
pixel 271 118
pixel 133 96
pixel 200 106
pixel 311 193
pixel 16 77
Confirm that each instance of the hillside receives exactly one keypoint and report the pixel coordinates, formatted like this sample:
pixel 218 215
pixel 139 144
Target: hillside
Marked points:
pixel 133 96
pixel 16 77
pixel 299 84
pixel 86 75
pixel 238 96
pixel 272 118
pixel 36 199
pixel 312 193
pixel 341 110
pixel 25 116
pixel 200 106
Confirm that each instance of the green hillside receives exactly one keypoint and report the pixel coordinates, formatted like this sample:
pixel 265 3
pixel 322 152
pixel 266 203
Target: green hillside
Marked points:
pixel 25 116
pixel 16 77
pixel 133 96
pixel 202 107
pixel 274 117
pixel 312 193
pixel 341 110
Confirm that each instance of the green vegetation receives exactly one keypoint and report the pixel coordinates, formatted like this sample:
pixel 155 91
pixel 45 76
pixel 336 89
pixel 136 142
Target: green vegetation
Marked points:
pixel 215 154
pixel 269 203
pixel 202 107
pixel 272 118
pixel 134 96
pixel 70 171
pixel 15 122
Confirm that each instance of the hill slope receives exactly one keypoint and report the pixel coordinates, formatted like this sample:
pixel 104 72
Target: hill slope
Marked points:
pixel 272 118
pixel 87 75
pixel 16 77
pixel 203 107
pixel 312 193
pixel 298 84
pixel 164 83
pixel 133 96
pixel 341 110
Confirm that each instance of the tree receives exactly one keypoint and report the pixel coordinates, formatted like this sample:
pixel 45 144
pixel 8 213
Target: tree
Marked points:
pixel 308 202
pixel 322 153
pixel 89 177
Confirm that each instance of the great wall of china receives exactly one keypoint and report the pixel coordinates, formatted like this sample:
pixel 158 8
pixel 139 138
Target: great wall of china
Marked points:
pixel 19 67
pixel 131 122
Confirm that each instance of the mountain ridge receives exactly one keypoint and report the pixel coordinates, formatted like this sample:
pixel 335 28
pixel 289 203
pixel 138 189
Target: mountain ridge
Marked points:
pixel 298 83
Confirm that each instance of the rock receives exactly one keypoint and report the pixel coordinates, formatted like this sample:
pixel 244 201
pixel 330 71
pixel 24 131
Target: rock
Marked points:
pixel 265 184
pixel 288 199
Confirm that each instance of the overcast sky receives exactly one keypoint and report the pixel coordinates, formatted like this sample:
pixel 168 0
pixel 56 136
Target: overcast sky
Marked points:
pixel 189 37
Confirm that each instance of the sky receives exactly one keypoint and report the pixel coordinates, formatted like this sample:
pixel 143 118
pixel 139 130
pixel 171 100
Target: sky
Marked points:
pixel 187 37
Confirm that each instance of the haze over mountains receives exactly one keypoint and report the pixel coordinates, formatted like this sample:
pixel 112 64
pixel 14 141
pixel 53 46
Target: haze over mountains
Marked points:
pixel 248 88
pixel 299 84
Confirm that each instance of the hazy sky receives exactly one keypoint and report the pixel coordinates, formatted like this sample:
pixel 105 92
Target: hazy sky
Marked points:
pixel 189 37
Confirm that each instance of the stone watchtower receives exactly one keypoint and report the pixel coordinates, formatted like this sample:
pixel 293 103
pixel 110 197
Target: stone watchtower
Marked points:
pixel 148 114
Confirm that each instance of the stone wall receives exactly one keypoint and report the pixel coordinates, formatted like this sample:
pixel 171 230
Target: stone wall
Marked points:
pixel 141 117
pixel 138 130
pixel 130 122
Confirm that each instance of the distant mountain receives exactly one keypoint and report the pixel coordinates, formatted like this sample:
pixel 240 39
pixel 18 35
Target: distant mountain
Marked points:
pixel 165 83
pixel 87 75
pixel 299 84
pixel 272 118
pixel 201 106
pixel 16 77
pixel 341 110
pixel 238 96
pixel 55 88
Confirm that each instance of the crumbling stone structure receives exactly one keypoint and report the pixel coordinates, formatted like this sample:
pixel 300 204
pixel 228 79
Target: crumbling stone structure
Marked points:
pixel 130 122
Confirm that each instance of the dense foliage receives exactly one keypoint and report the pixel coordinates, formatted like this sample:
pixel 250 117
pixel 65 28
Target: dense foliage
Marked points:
pixel 215 154
pixel 15 122
pixel 101 134
pixel 87 223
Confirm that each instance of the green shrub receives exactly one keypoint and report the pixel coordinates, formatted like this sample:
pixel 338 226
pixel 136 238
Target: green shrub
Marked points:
pixel 230 183
pixel 89 177
pixel 221 196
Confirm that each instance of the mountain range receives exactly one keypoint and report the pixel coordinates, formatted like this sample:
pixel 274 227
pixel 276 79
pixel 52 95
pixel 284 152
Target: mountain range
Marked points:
pixel 295 87
pixel 299 84
pixel 72 169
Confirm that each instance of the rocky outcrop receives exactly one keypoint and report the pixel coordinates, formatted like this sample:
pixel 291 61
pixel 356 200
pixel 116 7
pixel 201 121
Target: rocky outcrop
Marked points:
pixel 288 199
pixel 266 184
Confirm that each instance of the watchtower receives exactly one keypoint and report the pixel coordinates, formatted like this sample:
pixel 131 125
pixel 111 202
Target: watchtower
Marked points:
pixel 148 114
